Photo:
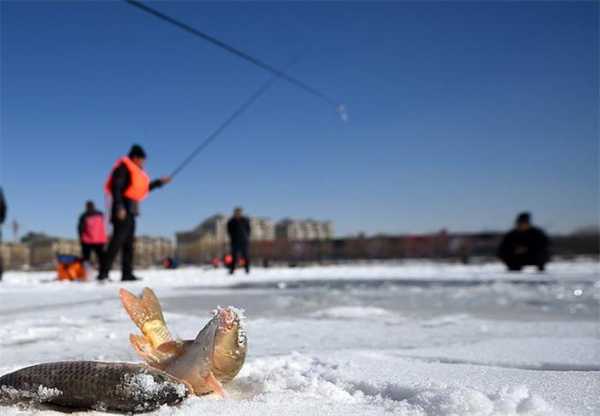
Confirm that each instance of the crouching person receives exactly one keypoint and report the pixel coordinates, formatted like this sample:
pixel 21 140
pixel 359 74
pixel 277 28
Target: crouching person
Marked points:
pixel 525 245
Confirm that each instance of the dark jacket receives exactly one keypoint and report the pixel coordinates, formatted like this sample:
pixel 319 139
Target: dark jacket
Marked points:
pixel 121 179
pixel 239 231
pixel 3 207
pixel 528 247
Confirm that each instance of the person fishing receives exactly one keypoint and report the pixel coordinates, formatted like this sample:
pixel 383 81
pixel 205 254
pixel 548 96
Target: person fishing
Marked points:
pixel 128 184
pixel 92 234
pixel 238 228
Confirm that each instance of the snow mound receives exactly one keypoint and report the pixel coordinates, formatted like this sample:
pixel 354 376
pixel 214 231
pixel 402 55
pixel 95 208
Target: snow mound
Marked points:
pixel 302 376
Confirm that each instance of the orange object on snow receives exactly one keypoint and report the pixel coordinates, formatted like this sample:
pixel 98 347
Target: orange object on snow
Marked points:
pixel 70 268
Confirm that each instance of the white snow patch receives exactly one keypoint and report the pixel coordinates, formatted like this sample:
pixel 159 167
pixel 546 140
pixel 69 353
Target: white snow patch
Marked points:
pixel 353 312
pixel 489 349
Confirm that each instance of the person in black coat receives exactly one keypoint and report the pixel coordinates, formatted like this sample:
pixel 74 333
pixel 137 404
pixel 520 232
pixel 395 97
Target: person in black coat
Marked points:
pixel 238 228
pixel 525 245
pixel 3 209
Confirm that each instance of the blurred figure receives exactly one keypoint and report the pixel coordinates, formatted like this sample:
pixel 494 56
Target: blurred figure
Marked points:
pixel 169 263
pixel 3 209
pixel 238 228
pixel 128 184
pixel 525 245
pixel 92 235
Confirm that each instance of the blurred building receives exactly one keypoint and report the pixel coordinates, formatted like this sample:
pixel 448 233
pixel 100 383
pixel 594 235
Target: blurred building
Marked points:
pixel 15 256
pixel 38 251
pixel 303 230
pixel 151 251
pixel 210 239
pixel 43 250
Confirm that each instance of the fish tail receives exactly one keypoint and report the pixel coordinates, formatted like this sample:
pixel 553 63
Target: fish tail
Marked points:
pixel 146 314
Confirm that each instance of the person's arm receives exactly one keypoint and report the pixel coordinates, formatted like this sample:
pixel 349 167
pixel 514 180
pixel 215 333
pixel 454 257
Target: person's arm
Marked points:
pixel 158 183
pixel 544 243
pixel 155 184
pixel 120 181
pixel 80 226
pixel 503 248
pixel 3 207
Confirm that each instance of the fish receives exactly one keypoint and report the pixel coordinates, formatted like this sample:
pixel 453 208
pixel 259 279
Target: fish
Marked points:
pixel 87 385
pixel 220 347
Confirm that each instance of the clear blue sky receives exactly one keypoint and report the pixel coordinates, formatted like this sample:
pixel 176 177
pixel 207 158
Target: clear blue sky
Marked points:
pixel 461 114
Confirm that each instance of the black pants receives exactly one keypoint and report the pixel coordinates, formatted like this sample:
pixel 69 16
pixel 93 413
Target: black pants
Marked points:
pixel 238 250
pixel 88 249
pixel 516 263
pixel 122 240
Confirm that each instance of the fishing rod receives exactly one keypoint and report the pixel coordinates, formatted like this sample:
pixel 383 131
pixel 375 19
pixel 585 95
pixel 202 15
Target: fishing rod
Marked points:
pixel 340 108
pixel 238 112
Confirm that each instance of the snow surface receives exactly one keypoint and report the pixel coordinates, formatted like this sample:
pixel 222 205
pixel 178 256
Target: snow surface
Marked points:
pixel 414 339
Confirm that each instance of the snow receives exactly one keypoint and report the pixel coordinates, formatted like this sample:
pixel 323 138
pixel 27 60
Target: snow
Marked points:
pixel 408 338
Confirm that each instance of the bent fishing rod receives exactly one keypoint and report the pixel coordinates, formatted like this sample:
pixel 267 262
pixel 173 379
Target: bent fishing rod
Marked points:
pixel 238 112
pixel 340 108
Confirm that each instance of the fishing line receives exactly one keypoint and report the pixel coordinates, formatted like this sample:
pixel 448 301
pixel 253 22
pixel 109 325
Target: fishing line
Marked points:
pixel 238 112
pixel 340 108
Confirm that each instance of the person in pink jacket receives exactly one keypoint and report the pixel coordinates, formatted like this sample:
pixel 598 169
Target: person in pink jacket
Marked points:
pixel 92 233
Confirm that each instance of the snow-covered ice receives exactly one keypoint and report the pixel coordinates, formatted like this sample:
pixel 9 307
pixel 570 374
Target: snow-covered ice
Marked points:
pixel 409 338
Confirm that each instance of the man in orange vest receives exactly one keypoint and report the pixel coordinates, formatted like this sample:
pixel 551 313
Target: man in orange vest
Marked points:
pixel 128 185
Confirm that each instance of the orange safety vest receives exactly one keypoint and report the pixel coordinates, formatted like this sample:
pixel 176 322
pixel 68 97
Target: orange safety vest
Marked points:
pixel 140 182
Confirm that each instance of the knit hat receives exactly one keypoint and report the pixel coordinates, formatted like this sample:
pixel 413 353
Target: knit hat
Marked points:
pixel 137 151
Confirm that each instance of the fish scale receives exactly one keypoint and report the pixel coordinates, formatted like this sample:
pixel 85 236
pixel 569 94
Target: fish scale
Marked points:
pixel 93 385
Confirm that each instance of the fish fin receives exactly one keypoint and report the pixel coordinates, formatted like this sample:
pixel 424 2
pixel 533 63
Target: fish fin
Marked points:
pixel 214 384
pixel 143 348
pixel 134 307
pixel 152 303
pixel 171 348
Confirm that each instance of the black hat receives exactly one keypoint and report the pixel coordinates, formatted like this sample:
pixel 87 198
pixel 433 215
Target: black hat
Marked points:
pixel 524 218
pixel 137 151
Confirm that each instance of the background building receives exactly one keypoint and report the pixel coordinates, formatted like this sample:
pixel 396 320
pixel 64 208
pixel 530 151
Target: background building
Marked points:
pixel 15 256
pixel 38 251
pixel 302 230
pixel 151 251
pixel 209 239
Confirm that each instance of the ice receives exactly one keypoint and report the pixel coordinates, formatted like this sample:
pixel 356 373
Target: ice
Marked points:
pixel 411 338
pixel 352 312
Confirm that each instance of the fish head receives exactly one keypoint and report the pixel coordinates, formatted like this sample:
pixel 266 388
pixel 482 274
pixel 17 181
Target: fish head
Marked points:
pixel 230 343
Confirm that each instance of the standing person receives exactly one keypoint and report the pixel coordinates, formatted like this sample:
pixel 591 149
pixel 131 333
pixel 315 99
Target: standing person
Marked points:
pixel 525 245
pixel 3 209
pixel 238 228
pixel 128 185
pixel 92 235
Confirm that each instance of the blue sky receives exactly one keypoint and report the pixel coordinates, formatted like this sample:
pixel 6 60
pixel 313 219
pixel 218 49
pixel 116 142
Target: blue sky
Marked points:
pixel 461 114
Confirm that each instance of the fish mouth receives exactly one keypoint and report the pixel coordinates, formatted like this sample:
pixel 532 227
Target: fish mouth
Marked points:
pixel 231 319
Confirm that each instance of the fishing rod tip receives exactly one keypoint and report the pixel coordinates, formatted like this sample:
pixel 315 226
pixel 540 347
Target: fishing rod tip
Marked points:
pixel 343 112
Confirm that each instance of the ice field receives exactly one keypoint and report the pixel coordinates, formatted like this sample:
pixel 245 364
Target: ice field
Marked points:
pixel 412 338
